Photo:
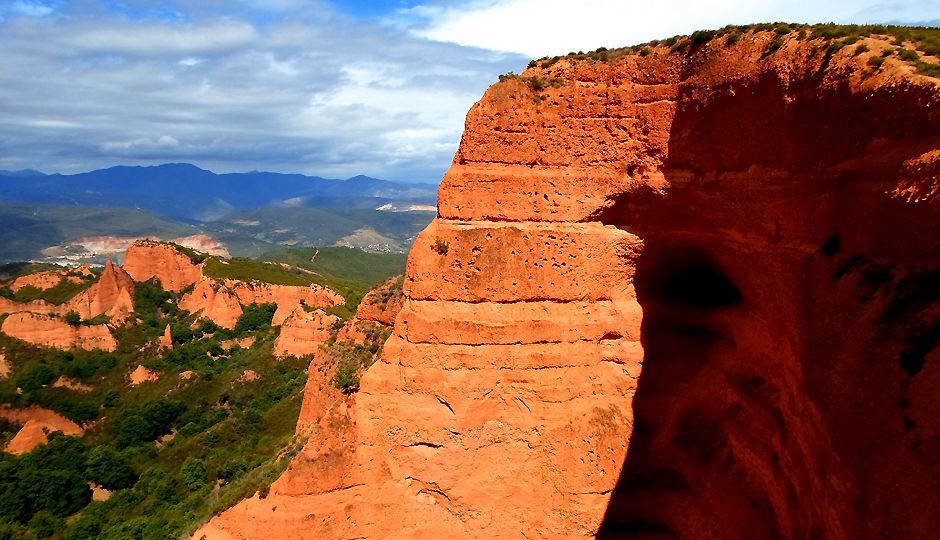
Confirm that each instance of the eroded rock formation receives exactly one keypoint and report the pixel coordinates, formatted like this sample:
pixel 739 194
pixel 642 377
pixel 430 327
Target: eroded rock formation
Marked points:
pixel 42 280
pixel 760 216
pixel 287 297
pixel 213 301
pixel 147 259
pixel 303 332
pixel 110 295
pixel 55 332
pixel 37 424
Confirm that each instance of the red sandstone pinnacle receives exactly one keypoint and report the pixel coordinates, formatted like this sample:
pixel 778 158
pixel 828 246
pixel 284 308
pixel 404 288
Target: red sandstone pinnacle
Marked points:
pixel 111 295
pixel 763 223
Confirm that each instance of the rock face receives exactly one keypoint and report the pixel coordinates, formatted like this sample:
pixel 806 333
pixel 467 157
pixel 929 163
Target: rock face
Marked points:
pixel 383 303
pixel 288 298
pixel 110 295
pixel 37 423
pixel 146 259
pixel 213 301
pixel 222 301
pixel 42 280
pixel 165 342
pixel 755 228
pixel 54 332
pixel 303 332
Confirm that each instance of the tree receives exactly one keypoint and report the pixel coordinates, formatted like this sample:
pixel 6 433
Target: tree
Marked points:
pixel 346 378
pixel 255 317
pixel 107 468
pixel 193 473
pixel 73 318
pixel 35 377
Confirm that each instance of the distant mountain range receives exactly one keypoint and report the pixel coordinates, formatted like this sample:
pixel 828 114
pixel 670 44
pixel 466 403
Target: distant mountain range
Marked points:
pixel 186 192
pixel 56 217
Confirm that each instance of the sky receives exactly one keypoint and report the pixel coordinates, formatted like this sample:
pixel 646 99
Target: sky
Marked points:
pixel 325 88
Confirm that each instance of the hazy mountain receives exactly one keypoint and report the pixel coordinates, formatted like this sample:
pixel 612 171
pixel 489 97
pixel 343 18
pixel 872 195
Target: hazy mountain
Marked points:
pixel 21 173
pixel 48 217
pixel 184 191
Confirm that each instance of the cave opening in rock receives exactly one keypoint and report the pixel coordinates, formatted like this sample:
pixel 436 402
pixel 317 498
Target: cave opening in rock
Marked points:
pixel 689 279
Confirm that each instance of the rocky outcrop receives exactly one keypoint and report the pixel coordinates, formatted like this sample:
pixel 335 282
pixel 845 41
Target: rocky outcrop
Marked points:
pixel 141 375
pixel 382 304
pixel 55 332
pixel 37 424
pixel 35 306
pixel 165 342
pixel 147 259
pixel 42 280
pixel 288 298
pixel 759 215
pixel 213 301
pixel 303 332
pixel 110 295
pixel 222 301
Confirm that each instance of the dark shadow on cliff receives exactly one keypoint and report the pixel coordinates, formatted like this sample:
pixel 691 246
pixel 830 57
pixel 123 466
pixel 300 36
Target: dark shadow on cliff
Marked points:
pixel 755 410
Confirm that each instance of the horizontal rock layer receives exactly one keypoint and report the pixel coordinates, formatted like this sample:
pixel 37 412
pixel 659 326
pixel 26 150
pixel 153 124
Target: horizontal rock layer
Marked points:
pixel 762 223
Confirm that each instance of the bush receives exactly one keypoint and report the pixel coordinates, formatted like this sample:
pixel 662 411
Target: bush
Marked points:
pixel 193 473
pixel 45 524
pixel 111 398
pixel 440 246
pixel 73 318
pixel 909 55
pixel 35 377
pixel 107 468
pixel 255 317
pixel 145 424
pixel 346 378
pixel 876 61
pixel 231 470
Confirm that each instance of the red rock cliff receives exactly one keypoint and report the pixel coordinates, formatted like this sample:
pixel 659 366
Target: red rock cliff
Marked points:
pixel 146 259
pixel 54 332
pixel 761 222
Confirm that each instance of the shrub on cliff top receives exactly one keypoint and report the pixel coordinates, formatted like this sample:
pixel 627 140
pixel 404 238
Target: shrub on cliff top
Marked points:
pixel 346 378
pixel 73 318
pixel 255 317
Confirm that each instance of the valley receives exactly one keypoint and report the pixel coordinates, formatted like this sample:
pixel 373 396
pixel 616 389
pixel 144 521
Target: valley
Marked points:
pixel 94 216
pixel 151 396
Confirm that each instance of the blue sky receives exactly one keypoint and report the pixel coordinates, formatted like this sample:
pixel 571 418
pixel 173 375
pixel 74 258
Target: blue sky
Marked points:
pixel 312 86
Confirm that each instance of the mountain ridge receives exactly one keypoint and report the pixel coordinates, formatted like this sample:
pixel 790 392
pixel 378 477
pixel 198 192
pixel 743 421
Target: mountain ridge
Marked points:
pixel 188 192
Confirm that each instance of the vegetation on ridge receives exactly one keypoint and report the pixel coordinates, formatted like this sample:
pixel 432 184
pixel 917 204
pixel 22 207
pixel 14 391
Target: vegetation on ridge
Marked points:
pixel 174 451
pixel 910 42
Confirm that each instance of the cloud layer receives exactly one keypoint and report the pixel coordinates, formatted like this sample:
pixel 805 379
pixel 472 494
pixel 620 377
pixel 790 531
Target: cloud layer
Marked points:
pixel 548 27
pixel 359 87
pixel 260 86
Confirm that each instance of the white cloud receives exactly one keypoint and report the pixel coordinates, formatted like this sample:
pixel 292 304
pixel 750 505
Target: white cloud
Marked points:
pixel 29 9
pixel 317 94
pixel 547 27
pixel 162 38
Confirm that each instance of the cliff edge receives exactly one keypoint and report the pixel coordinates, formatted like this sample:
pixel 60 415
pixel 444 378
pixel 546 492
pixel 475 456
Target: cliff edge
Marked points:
pixel 751 217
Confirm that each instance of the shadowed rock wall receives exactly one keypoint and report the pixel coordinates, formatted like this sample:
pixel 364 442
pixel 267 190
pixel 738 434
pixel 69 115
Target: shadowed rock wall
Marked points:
pixel 755 230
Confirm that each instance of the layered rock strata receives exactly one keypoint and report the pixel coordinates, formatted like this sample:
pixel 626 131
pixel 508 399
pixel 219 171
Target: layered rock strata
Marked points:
pixel 222 301
pixel 303 332
pixel 111 295
pixel 760 216
pixel 146 259
pixel 54 332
